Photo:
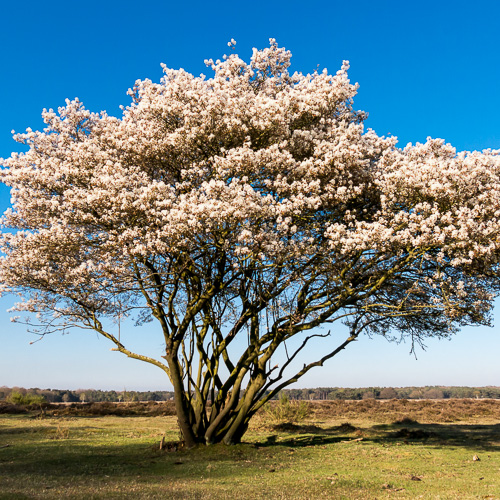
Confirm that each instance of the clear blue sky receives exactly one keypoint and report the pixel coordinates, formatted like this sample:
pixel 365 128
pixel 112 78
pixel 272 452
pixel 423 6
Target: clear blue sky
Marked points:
pixel 425 68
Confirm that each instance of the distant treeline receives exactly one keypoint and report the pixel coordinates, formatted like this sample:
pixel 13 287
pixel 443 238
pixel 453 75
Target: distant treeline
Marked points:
pixel 19 394
pixel 81 395
pixel 428 392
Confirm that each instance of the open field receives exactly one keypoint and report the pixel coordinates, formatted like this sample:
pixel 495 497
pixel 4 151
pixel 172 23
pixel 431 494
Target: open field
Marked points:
pixel 364 449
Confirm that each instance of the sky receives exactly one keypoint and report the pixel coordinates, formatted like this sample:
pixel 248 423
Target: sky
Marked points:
pixel 424 68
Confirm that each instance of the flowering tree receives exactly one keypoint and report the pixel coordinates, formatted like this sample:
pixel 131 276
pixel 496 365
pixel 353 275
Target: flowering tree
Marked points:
pixel 239 213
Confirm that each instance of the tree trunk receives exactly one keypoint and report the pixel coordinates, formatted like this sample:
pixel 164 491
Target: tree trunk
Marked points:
pixel 240 422
pixel 181 405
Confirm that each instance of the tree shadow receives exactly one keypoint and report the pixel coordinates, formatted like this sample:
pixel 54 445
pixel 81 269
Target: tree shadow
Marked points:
pixel 484 437
pixel 43 453
pixel 69 459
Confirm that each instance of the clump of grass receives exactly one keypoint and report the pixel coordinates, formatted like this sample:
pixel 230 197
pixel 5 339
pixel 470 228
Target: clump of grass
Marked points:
pixel 346 427
pixel 60 432
pixel 286 411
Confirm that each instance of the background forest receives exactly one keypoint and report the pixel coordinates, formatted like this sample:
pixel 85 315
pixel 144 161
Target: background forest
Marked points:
pixel 36 395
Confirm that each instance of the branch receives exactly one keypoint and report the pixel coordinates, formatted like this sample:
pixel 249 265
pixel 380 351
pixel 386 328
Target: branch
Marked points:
pixel 140 357
pixel 287 363
pixel 304 370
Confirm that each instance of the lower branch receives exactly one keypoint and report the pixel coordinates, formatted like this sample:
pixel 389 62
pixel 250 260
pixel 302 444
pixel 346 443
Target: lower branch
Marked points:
pixel 140 357
pixel 260 402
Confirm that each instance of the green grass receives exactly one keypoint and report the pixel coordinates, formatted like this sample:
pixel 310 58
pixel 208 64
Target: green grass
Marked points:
pixel 373 457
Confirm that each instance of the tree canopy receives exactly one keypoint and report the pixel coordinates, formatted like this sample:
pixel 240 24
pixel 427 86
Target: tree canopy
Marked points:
pixel 252 205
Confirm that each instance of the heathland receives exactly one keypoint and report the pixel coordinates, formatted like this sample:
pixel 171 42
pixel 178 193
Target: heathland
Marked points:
pixel 293 449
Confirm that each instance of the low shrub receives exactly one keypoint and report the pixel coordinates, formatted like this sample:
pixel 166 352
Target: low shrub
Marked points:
pixel 286 411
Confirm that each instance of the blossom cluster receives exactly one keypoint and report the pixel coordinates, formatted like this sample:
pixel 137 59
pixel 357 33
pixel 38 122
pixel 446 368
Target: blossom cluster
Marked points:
pixel 261 164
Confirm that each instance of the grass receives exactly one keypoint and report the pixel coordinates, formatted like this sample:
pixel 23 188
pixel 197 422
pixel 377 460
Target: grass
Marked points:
pixel 365 449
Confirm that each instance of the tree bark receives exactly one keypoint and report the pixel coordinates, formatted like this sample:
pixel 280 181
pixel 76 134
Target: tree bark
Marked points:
pixel 181 405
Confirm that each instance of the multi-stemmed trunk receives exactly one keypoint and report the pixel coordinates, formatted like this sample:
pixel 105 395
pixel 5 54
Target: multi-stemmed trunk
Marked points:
pixel 224 416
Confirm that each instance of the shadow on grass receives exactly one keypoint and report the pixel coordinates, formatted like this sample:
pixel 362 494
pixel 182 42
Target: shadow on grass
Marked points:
pixel 66 458
pixel 82 470
pixel 479 437
pixel 39 454
pixel 33 452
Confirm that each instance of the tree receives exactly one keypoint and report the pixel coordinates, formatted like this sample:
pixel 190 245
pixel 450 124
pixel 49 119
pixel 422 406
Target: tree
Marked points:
pixel 433 393
pixel 417 393
pixel 369 394
pixel 388 393
pixel 240 213
pixel 67 397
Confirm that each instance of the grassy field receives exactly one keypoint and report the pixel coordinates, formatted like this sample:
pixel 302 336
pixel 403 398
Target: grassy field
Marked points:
pixel 366 449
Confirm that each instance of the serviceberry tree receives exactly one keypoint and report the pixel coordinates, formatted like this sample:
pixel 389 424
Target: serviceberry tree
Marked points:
pixel 240 213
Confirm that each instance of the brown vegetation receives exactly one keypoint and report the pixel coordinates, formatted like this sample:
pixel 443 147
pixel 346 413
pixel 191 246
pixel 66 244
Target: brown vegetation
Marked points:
pixel 396 411
pixel 149 408
pixel 424 411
